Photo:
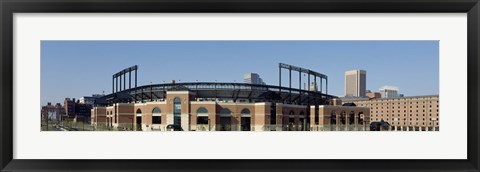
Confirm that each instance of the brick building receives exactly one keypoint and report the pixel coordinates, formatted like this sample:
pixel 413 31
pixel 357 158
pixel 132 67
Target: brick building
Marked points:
pixel 52 112
pixel 76 111
pixel 416 113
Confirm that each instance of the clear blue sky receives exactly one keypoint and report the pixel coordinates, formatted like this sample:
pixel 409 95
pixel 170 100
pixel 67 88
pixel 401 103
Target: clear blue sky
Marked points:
pixel 81 68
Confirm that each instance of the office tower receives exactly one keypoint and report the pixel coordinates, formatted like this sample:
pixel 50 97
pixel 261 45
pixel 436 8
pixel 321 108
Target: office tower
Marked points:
pixel 355 83
pixel 389 92
pixel 253 78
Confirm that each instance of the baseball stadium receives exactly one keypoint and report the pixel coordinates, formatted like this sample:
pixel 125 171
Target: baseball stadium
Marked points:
pixel 226 106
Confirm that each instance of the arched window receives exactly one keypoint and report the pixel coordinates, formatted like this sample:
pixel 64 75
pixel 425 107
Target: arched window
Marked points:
pixel 139 120
pixel 156 110
pixel 156 116
pixel 245 121
pixel 342 118
pixel 202 116
pixel 333 118
pixel 177 110
pixel 351 118
pixel 245 111
pixel 225 120
pixel 202 110
pixel 225 111
pixel 177 105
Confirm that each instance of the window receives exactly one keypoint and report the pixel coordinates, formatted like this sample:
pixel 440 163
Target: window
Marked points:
pixel 156 119
pixel 177 107
pixel 156 110
pixel 245 111
pixel 202 110
pixel 156 116
pixel 225 111
pixel 202 120
pixel 177 110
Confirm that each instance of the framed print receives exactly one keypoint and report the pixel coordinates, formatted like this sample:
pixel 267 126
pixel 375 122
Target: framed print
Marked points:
pixel 231 85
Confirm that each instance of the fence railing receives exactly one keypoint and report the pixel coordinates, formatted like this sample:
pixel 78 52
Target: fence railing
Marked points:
pixel 81 126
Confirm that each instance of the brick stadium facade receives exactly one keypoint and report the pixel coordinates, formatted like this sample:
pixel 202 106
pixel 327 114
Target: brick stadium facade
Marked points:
pixel 190 113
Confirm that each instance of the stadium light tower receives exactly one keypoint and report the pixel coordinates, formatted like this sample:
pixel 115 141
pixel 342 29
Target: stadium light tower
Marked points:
pixel 123 73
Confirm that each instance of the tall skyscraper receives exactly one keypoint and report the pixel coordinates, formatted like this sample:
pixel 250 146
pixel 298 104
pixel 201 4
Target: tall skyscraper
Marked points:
pixel 389 92
pixel 355 83
pixel 253 78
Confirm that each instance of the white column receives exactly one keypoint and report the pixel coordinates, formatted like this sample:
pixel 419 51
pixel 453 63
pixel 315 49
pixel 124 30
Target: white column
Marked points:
pixel 185 122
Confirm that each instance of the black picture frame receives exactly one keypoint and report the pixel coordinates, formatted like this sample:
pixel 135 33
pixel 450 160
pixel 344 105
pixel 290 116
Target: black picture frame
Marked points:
pixel 9 7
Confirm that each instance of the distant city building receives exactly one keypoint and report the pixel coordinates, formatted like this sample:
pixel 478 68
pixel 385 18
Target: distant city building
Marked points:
pixel 52 113
pixel 253 78
pixel 389 92
pixel 89 99
pixel 355 83
pixel 416 113
pixel 335 102
pixel 75 110
pixel 373 95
